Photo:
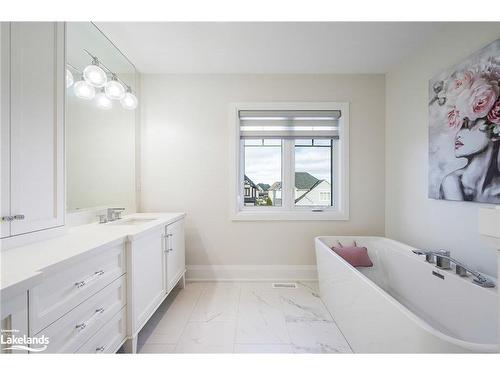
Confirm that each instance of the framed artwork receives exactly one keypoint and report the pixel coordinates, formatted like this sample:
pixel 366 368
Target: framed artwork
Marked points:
pixel 464 129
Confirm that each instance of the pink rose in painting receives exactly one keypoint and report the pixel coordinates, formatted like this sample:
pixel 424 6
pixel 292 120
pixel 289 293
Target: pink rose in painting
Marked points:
pixel 454 118
pixel 477 101
pixel 462 81
pixel 494 115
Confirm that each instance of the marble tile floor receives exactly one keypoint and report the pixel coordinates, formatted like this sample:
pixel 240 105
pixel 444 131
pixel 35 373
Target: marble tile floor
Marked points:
pixel 242 317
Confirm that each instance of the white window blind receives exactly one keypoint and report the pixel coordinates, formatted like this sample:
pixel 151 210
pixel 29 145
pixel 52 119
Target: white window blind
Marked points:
pixel 289 124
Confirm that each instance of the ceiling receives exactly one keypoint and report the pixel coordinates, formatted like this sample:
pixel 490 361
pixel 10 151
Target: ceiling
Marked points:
pixel 272 47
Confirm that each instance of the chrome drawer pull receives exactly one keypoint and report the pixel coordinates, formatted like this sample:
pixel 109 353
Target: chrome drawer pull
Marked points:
pixel 100 349
pixel 84 325
pixel 12 218
pixel 170 249
pixel 81 326
pixel 80 284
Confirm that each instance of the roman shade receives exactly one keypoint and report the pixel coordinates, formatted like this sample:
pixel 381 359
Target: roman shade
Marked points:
pixel 294 124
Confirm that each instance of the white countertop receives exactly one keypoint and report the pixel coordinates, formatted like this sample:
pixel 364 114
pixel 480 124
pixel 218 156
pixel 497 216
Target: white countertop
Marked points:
pixel 22 267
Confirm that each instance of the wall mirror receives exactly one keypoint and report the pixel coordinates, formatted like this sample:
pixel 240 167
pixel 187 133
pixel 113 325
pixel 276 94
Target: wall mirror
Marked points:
pixel 101 101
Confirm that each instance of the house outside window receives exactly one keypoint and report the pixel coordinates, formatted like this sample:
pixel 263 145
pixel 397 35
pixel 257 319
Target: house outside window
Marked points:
pixel 325 196
pixel 291 161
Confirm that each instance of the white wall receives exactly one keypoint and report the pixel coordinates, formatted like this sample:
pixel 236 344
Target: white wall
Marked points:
pixel 185 162
pixel 410 216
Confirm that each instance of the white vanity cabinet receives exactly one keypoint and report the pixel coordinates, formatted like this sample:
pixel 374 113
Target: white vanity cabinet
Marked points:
pixel 14 318
pixel 145 274
pixel 32 126
pixel 63 289
pixel 174 253
pixel 101 285
pixel 156 263
pixel 74 301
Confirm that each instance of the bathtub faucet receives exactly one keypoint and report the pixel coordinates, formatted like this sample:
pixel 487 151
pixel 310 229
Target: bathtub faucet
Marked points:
pixel 444 261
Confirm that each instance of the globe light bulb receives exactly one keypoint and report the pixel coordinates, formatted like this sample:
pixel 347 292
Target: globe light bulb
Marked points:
pixel 83 90
pixel 69 79
pixel 103 102
pixel 129 101
pixel 94 75
pixel 114 89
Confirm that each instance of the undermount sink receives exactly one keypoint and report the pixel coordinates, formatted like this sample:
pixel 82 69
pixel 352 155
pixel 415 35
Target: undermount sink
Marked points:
pixel 133 221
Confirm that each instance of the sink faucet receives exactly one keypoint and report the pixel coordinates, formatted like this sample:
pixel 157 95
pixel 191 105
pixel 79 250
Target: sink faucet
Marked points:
pixel 113 214
pixel 444 261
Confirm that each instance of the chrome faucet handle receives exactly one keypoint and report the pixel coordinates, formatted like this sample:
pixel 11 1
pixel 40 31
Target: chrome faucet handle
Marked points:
pixel 102 219
pixel 430 258
pixel 443 260
pixel 114 213
pixel 460 271
pixel 429 255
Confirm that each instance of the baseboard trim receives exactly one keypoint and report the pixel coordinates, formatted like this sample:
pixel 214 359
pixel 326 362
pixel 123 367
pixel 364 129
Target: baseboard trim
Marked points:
pixel 251 273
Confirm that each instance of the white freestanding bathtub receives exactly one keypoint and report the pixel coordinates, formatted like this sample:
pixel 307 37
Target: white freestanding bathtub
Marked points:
pixel 403 304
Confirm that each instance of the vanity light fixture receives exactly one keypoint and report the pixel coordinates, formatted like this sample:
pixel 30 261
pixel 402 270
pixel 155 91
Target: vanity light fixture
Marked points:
pixel 114 89
pixel 129 101
pixel 83 90
pixel 94 74
pixel 69 79
pixel 102 101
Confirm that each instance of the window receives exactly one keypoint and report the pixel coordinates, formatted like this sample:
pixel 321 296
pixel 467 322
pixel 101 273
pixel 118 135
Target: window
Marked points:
pixel 291 161
pixel 313 172
pixel 262 168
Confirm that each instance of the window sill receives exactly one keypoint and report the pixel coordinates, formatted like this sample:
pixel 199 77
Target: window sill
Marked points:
pixel 290 216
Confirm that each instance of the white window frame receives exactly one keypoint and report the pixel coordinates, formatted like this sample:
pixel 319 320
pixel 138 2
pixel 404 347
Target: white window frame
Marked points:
pixel 289 211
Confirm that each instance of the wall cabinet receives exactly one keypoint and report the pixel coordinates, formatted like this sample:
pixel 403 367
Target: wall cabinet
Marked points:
pixel 32 107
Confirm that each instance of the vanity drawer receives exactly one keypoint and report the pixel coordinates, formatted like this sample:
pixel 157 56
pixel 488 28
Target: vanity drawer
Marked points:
pixel 109 338
pixel 61 291
pixel 71 331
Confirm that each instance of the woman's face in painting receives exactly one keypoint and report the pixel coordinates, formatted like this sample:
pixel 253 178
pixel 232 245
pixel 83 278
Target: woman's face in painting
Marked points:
pixel 470 140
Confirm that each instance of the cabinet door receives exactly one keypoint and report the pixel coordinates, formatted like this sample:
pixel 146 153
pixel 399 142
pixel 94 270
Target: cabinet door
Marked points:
pixel 36 125
pixel 176 253
pixel 14 318
pixel 146 277
pixel 5 127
